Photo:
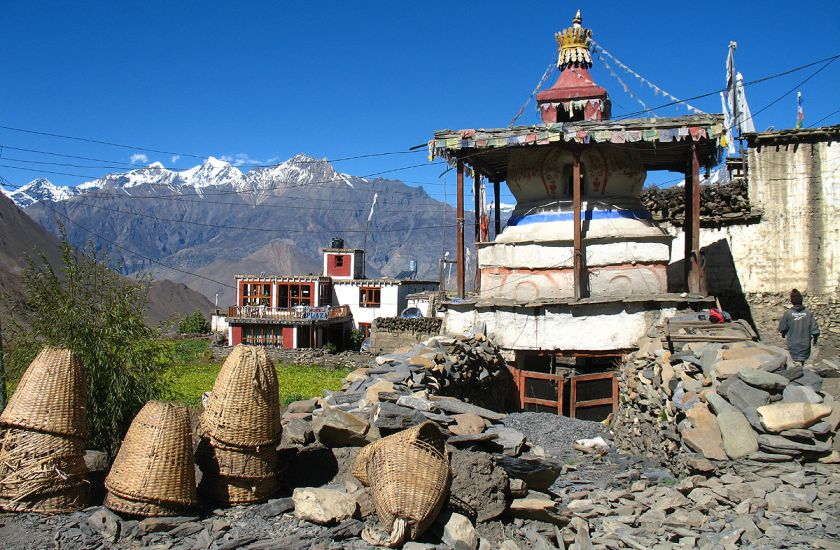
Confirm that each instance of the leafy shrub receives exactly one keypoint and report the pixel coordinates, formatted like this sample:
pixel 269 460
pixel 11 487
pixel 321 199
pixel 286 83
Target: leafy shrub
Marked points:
pixel 98 314
pixel 356 339
pixel 194 323
pixel 330 348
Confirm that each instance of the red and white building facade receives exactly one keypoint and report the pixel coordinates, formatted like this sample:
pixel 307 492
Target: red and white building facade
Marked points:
pixel 310 311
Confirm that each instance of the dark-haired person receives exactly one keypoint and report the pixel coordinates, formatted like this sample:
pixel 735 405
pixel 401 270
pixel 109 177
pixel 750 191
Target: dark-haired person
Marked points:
pixel 799 327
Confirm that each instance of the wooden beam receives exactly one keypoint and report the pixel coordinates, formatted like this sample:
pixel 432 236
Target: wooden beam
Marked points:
pixel 578 252
pixel 497 222
pixel 477 224
pixel 691 223
pixel 460 228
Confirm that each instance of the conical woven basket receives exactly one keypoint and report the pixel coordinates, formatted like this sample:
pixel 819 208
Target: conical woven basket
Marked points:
pixel 51 396
pixel 146 509
pixel 245 463
pixel 65 500
pixel 232 490
pixel 37 463
pixel 155 462
pixel 243 410
pixel 408 474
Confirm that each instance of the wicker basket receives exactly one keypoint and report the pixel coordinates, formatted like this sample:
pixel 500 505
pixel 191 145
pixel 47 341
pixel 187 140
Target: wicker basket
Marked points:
pixel 232 490
pixel 408 474
pixel 146 509
pixel 37 466
pixel 155 462
pixel 51 396
pixel 243 410
pixel 65 500
pixel 216 459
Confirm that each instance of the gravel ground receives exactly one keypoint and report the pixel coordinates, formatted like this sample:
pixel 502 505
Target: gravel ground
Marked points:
pixel 553 432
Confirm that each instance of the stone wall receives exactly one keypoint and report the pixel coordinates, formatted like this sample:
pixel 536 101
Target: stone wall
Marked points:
pixel 388 334
pixel 718 203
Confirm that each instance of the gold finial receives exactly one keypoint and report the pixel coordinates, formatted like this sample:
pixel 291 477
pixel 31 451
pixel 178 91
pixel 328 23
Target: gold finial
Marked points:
pixel 573 44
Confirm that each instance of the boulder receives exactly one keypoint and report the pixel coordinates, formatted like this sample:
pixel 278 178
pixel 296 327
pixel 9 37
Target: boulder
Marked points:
pixel 537 473
pixel 380 386
pixel 323 506
pixel 305 406
pixel 509 439
pixel 778 417
pixel 467 424
pixel 760 378
pixel 297 432
pixel 106 523
pixel 458 532
pixel 336 428
pixel 479 488
pixel 739 439
pixel 744 396
pixel 703 434
pixel 731 367
pixel 537 506
pixel 392 417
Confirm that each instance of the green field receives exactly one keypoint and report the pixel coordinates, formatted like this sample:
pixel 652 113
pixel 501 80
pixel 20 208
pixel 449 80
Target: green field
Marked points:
pixel 195 371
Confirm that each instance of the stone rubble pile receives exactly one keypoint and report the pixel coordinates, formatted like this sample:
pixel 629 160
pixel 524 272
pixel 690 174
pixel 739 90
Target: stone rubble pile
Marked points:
pixel 718 202
pixel 712 402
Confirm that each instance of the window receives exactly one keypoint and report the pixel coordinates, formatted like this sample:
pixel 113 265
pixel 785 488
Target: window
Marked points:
pixel 364 328
pixel 256 294
pixel 291 295
pixel 339 261
pixel 262 335
pixel 324 294
pixel 369 296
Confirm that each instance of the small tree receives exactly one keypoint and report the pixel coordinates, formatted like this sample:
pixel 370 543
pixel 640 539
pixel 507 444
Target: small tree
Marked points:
pixel 98 314
pixel 194 323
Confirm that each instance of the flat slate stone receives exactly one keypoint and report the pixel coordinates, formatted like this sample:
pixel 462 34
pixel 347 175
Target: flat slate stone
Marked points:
pixel 778 417
pixel 795 393
pixel 471 439
pixel 456 406
pixel 762 379
pixel 781 444
pixel 743 396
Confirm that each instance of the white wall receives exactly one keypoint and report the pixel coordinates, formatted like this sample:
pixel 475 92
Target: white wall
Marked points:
pixel 797 242
pixel 218 323
pixel 348 294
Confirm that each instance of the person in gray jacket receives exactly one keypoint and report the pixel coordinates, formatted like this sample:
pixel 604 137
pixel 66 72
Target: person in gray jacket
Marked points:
pixel 799 327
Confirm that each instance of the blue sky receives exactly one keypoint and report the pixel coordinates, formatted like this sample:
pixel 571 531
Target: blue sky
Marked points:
pixel 266 80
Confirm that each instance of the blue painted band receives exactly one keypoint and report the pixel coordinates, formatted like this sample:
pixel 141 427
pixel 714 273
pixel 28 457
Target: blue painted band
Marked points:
pixel 589 215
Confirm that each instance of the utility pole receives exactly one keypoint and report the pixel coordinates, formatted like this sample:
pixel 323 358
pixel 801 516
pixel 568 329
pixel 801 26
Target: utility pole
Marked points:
pixel 2 375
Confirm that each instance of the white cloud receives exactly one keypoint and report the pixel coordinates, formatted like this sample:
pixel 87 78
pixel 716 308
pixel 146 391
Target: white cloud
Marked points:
pixel 241 159
pixel 141 158
pixel 175 158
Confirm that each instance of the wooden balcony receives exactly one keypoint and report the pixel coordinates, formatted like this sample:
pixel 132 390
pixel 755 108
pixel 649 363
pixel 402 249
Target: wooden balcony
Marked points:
pixel 301 313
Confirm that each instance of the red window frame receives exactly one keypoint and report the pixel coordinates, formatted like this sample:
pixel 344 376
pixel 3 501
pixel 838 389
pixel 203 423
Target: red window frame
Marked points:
pixel 370 296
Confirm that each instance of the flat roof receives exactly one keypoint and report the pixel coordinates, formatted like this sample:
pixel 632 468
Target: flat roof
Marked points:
pixel 794 135
pixel 663 143
pixel 384 281
pixel 289 278
pixel 665 297
pixel 342 250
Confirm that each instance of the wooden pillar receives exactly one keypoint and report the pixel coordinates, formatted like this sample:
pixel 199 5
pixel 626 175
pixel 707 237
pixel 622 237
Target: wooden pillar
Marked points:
pixel 691 224
pixel 578 243
pixel 460 228
pixel 477 208
pixel 497 221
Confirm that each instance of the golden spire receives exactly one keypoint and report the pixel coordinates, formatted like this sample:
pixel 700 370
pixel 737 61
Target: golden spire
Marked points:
pixel 573 44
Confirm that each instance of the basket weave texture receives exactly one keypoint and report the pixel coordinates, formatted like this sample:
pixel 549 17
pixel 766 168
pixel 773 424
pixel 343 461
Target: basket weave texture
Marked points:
pixel 239 430
pixel 243 410
pixel 232 490
pixel 33 463
pixel 408 473
pixel 57 502
pixel 244 463
pixel 51 396
pixel 155 463
pixel 146 509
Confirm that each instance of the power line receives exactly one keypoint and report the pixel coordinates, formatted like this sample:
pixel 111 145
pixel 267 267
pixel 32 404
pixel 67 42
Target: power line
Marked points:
pixel 260 229
pixel 191 155
pixel 125 249
pixel 750 83
pixel 823 118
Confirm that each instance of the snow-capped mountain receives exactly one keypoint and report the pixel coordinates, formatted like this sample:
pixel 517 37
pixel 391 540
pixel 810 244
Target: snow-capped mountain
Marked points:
pixel 300 170
pixel 40 190
pixel 212 172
